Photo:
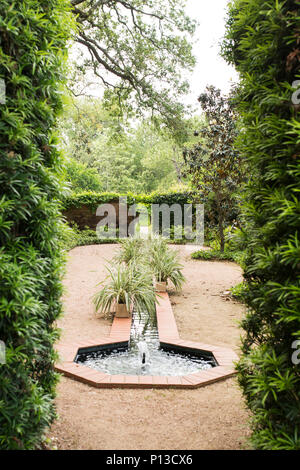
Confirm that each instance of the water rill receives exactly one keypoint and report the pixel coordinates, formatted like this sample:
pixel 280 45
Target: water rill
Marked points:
pixel 145 356
pixel 147 365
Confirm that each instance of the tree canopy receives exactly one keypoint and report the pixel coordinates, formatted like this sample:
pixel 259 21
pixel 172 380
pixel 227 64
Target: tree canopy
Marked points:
pixel 139 51
pixel 119 155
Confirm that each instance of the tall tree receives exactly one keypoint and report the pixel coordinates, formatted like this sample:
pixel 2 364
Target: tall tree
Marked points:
pixel 126 157
pixel 262 41
pixel 213 163
pixel 138 49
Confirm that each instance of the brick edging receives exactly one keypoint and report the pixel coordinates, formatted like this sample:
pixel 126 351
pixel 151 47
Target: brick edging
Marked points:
pixel 168 334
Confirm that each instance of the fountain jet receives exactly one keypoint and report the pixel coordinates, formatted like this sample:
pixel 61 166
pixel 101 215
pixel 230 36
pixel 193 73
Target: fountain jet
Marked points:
pixel 143 350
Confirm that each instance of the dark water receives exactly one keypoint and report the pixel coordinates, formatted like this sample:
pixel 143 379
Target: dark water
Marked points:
pixel 144 345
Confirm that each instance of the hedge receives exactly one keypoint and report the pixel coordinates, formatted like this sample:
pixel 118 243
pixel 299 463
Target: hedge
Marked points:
pixel 32 57
pixel 94 199
pixel 263 43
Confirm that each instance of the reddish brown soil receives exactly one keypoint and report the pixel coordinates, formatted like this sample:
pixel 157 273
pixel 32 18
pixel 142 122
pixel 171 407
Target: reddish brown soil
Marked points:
pixel 212 417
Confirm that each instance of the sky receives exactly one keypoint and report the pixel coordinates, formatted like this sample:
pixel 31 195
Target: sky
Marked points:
pixel 211 69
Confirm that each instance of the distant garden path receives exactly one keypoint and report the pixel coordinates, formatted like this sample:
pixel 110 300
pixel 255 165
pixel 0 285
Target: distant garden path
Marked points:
pixel 212 417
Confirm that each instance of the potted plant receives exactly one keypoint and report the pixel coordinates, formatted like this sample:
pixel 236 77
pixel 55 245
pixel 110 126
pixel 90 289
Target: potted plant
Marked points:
pixel 131 250
pixel 157 244
pixel 166 266
pixel 126 287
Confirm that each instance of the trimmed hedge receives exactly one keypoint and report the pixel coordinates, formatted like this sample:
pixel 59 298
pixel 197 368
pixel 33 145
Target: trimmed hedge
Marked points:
pixel 89 201
pixel 32 56
pixel 93 199
pixel 213 255
pixel 263 43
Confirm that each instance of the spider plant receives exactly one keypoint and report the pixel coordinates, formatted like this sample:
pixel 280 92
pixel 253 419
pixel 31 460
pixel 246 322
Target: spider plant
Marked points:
pixel 157 243
pixel 131 250
pixel 127 286
pixel 166 266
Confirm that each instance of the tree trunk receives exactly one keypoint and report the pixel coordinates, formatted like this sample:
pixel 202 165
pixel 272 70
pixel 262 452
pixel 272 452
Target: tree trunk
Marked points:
pixel 177 167
pixel 221 224
pixel 221 233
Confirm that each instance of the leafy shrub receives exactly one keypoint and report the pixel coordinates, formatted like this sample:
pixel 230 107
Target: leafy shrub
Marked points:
pixel 32 53
pixel 239 290
pixel 217 255
pixel 82 178
pixel 70 237
pixel 213 255
pixel 263 42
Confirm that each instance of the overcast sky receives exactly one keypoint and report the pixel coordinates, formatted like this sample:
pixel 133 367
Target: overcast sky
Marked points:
pixel 211 69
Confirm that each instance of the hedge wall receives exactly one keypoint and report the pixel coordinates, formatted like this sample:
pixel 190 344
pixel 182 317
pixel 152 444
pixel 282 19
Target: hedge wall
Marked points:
pixel 93 199
pixel 81 208
pixel 32 55
pixel 263 43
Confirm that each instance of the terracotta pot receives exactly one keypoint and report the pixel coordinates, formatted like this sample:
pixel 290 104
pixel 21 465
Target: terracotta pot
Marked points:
pixel 121 311
pixel 160 286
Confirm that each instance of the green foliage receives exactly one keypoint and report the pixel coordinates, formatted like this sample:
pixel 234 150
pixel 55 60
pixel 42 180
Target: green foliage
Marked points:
pixel 125 157
pixel 131 250
pixel 157 243
pixel 263 42
pixel 93 199
pixel 82 178
pixel 129 285
pixel 213 255
pixel 32 55
pixel 139 51
pixel 70 237
pixel 164 262
pixel 213 163
pixel 239 291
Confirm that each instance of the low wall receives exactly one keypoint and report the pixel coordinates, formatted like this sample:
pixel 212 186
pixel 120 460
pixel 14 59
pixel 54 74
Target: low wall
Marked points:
pixel 86 217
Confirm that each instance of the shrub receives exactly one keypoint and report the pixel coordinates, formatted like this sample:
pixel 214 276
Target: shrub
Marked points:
pixel 217 255
pixel 82 178
pixel 32 54
pixel 239 290
pixel 213 255
pixel 263 42
pixel 70 237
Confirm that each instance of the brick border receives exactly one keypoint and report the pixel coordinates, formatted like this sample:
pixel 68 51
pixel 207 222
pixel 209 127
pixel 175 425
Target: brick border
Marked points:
pixel 168 335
